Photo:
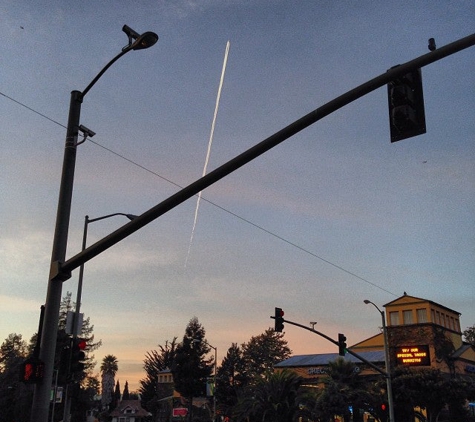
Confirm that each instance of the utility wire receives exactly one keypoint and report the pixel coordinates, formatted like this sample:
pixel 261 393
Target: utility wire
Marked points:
pixel 31 109
pixel 339 267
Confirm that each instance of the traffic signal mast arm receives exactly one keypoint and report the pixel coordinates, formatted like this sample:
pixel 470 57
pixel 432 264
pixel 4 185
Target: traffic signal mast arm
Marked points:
pixel 62 271
pixel 336 343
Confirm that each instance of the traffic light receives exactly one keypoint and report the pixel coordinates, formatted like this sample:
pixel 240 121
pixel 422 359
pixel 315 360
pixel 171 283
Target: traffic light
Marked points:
pixel 32 371
pixel 406 106
pixel 341 344
pixel 279 320
pixel 78 355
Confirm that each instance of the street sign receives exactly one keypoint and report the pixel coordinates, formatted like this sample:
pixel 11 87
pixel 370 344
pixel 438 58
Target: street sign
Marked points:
pixel 180 411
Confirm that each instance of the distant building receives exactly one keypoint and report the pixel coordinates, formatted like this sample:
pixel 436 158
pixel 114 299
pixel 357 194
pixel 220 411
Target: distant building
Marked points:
pixel 129 411
pixel 421 333
pixel 171 403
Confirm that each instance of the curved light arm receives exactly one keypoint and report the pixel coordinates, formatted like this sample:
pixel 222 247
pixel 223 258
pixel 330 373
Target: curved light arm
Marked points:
pixel 93 82
pixel 146 40
pixel 129 216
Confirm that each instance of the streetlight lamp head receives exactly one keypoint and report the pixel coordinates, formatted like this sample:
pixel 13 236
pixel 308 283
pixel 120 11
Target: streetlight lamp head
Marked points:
pixel 146 40
pixel 366 301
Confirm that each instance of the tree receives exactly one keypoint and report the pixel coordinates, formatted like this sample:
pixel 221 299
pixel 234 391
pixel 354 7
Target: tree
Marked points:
pixel 19 395
pixel 126 393
pixel 469 335
pixel 429 389
pixel 273 398
pixel 262 352
pixel 116 398
pixel 14 395
pixel 155 362
pixel 109 368
pixel 190 368
pixel 343 387
pixel 230 379
pixel 85 332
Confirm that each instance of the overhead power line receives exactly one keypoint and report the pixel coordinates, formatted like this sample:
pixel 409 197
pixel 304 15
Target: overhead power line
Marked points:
pixel 302 249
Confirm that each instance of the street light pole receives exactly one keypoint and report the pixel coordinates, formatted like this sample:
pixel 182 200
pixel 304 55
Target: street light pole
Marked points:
pixel 76 319
pixel 215 371
pixel 41 397
pixel 387 362
pixel 87 220
pixel 214 379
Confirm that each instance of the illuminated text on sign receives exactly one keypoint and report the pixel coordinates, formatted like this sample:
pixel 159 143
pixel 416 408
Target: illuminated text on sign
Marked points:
pixel 413 355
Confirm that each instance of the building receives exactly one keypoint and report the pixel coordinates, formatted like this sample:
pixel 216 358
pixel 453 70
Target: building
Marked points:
pixel 421 333
pixel 171 403
pixel 129 411
pixel 313 367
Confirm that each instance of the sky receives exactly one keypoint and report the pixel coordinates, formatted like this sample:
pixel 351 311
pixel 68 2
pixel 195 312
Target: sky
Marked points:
pixel 332 216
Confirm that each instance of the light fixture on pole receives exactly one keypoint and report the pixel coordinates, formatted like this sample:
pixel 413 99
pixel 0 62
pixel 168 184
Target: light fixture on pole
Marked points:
pixel 41 397
pixel 215 371
pixel 387 362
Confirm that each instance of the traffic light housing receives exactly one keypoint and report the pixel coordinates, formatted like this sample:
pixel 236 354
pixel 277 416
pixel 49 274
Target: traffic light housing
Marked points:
pixel 78 355
pixel 32 371
pixel 406 106
pixel 341 344
pixel 279 320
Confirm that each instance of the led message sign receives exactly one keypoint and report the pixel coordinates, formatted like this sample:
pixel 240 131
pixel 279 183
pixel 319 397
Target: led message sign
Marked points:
pixel 413 355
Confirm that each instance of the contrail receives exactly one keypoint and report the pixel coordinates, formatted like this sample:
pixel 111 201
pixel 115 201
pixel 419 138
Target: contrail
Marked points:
pixel 209 146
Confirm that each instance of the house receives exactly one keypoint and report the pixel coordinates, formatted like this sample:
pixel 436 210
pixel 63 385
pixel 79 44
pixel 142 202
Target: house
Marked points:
pixel 129 411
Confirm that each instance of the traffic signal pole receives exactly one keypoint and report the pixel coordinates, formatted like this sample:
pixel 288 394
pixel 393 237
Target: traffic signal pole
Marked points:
pixel 318 333
pixel 62 270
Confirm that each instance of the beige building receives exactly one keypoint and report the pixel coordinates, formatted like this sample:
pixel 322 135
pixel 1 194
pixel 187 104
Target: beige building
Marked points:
pixel 421 333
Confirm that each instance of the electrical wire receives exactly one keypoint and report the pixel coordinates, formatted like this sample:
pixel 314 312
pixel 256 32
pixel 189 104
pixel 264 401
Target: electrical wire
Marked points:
pixel 276 236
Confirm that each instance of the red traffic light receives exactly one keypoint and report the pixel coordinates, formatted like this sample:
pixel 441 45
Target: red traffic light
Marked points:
pixel 279 320
pixel 81 344
pixel 78 356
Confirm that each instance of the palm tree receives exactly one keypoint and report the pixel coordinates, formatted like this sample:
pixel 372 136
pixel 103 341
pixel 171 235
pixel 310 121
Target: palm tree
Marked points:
pixel 109 368
pixel 344 387
pixel 275 398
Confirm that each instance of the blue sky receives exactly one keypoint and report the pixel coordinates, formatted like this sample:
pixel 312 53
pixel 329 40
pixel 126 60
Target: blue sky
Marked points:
pixel 335 215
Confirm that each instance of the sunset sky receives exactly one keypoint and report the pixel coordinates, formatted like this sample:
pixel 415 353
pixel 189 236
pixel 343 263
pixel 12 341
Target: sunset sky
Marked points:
pixel 335 215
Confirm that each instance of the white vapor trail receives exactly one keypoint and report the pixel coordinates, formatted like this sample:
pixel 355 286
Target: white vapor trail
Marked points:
pixel 209 146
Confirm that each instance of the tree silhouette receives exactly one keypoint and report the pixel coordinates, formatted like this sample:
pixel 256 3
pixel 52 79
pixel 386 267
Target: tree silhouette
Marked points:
pixel 274 398
pixel 262 352
pixel 126 394
pixel 230 379
pixel 190 368
pixel 155 362
pixel 109 368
